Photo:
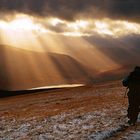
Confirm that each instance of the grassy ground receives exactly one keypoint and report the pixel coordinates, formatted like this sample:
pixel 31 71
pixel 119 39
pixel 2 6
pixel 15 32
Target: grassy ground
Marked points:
pixel 89 112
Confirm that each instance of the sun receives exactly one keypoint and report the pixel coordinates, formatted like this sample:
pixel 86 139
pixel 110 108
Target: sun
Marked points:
pixel 20 31
pixel 21 22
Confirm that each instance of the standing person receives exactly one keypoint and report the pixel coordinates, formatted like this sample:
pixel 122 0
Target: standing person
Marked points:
pixel 133 83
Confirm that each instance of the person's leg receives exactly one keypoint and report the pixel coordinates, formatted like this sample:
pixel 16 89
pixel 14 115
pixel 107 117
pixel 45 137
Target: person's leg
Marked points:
pixel 129 111
pixel 133 110
pixel 134 115
pixel 130 107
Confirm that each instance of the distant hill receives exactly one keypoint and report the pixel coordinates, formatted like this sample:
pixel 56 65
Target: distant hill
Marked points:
pixel 22 69
pixel 116 74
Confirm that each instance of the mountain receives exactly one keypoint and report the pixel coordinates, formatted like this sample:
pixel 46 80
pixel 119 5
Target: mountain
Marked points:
pixel 22 69
pixel 101 54
pixel 113 75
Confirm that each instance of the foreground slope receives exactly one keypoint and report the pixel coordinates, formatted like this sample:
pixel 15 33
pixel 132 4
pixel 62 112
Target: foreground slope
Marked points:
pixel 93 113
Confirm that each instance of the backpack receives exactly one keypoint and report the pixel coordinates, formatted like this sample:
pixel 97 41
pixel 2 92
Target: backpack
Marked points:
pixel 133 79
pixel 125 82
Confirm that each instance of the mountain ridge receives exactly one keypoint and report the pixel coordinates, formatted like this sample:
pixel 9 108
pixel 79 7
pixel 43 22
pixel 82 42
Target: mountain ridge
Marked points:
pixel 22 69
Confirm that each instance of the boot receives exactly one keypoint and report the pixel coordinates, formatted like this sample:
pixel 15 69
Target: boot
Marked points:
pixel 132 123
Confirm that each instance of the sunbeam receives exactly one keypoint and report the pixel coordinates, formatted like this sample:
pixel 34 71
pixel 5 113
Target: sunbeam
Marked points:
pixel 57 51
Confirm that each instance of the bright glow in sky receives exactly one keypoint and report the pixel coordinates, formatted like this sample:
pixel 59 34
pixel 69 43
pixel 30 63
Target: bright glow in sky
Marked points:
pixel 20 23
pixel 116 28
pixel 78 25
pixel 103 27
pixel 55 21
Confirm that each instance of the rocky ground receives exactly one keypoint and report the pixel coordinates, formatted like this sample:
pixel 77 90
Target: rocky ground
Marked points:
pixel 83 113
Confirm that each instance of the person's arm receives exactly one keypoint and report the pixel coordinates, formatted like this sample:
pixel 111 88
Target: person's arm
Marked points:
pixel 125 81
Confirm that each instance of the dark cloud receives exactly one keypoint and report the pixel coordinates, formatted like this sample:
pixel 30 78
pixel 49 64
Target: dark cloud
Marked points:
pixel 125 9
pixel 70 9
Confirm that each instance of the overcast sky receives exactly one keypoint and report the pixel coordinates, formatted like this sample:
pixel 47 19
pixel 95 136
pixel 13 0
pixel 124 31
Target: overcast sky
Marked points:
pixel 72 9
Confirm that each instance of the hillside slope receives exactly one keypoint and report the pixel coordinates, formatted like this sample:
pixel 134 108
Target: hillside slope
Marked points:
pixel 22 69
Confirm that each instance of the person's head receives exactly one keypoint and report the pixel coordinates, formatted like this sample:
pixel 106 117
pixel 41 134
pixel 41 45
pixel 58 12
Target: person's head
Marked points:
pixel 137 68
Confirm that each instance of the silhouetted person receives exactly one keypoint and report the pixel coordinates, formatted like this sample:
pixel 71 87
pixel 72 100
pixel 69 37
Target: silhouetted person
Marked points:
pixel 133 83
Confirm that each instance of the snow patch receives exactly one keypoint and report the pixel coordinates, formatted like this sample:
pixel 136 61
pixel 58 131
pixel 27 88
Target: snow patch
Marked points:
pixel 101 135
pixel 135 136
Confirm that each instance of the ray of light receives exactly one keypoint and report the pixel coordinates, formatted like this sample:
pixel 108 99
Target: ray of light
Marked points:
pixel 30 68
pixel 36 37
pixel 88 54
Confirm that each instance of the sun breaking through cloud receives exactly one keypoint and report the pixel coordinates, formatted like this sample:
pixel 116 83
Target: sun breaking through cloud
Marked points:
pixel 21 22
pixel 77 28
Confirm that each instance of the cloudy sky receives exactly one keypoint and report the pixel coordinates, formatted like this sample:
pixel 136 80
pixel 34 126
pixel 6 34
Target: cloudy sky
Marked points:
pixel 110 28
pixel 73 9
